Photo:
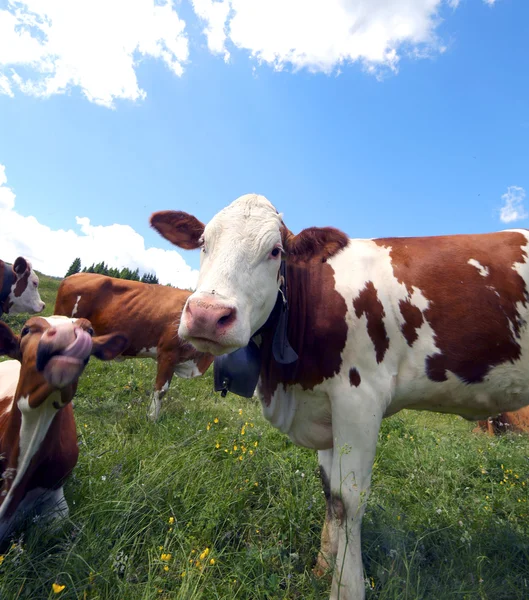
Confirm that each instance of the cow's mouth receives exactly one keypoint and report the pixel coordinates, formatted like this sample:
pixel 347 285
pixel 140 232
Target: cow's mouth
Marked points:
pixel 203 344
pixel 61 370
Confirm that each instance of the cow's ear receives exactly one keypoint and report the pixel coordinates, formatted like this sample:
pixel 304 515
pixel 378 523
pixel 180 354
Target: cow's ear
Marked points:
pixel 179 228
pixel 107 347
pixel 314 242
pixel 9 342
pixel 20 265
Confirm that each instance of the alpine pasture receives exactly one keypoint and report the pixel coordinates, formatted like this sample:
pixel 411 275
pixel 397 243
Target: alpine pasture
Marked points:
pixel 212 503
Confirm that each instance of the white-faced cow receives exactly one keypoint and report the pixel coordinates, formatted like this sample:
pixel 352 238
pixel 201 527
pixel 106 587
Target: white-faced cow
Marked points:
pixel 38 440
pixel 148 314
pixel 19 288
pixel 379 325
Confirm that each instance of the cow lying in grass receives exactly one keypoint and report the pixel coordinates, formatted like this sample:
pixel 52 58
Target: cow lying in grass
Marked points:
pixel 38 440
pixel 19 288
pixel 379 325
pixel 148 314
pixel 507 421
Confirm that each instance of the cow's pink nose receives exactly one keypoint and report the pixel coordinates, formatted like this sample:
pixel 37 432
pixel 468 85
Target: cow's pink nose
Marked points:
pixel 208 319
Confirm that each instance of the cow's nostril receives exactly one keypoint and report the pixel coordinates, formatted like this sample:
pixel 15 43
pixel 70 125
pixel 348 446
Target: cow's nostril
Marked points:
pixel 226 318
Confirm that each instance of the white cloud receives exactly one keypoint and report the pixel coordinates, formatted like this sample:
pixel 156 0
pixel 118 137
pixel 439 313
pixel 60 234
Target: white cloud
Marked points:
pixel 489 2
pixel 215 14
pixel 321 35
pixel 513 208
pixel 49 46
pixel 52 251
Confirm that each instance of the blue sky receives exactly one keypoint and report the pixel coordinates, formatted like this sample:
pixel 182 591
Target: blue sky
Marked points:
pixel 419 130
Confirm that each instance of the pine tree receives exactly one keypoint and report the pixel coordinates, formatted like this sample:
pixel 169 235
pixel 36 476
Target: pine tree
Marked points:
pixel 75 267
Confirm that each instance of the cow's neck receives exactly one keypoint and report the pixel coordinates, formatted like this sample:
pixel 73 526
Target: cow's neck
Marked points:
pixel 7 278
pixel 317 330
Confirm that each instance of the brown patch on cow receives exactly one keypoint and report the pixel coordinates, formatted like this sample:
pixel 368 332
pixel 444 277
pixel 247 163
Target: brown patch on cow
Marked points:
pixel 517 421
pixel 354 377
pixel 368 304
pixel 317 330
pixel 474 318
pixel 314 242
pixel 413 320
pixel 22 284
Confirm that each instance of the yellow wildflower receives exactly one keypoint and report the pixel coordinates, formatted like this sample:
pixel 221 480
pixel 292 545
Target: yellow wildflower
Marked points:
pixel 212 561
pixel 171 520
pixel 255 444
pixel 2 558
pixel 256 484
pixel 183 574
pixel 217 445
pixel 235 448
pixel 57 588
pixel 166 568
pixel 216 420
pixel 243 430
pixel 166 557
pixel 240 456
pixel 208 426
pixel 240 411
pixel 204 554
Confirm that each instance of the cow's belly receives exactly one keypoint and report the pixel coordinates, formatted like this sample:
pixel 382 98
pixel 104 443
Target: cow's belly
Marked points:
pixel 505 388
pixel 187 370
pixel 305 416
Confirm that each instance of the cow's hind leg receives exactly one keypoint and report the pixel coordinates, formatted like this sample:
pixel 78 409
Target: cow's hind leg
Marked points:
pixel 164 374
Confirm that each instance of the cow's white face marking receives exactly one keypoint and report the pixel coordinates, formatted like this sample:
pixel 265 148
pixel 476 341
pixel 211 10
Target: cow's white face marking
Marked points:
pixel 483 271
pixel 76 306
pixel 236 270
pixel 57 320
pixel 33 429
pixel 30 300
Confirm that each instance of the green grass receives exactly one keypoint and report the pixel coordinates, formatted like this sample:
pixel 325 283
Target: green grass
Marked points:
pixel 447 517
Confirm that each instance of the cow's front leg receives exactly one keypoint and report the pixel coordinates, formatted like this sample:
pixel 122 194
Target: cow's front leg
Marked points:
pixel 164 374
pixel 355 432
pixel 329 532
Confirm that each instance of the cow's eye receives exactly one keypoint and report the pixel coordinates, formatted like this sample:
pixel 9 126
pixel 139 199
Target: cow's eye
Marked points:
pixel 275 252
pixel 24 331
pixel 90 331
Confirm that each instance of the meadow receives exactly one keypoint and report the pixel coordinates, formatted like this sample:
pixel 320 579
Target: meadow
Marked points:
pixel 213 503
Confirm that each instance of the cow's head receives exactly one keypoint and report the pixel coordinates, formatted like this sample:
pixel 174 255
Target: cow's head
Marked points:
pixel 23 295
pixel 242 247
pixel 53 353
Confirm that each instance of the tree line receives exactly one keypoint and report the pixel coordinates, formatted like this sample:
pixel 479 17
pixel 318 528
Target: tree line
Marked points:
pixel 103 269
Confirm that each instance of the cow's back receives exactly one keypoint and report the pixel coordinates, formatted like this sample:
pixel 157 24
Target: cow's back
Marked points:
pixel 146 313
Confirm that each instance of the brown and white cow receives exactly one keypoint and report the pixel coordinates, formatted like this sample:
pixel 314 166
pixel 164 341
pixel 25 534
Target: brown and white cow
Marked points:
pixel 19 288
pixel 379 325
pixel 148 314
pixel 38 440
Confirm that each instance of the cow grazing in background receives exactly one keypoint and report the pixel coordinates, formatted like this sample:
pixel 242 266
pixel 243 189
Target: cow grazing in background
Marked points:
pixel 38 440
pixel 379 325
pixel 507 421
pixel 19 288
pixel 148 314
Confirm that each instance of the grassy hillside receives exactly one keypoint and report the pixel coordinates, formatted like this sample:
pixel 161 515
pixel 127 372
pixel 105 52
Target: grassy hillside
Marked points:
pixel 212 503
